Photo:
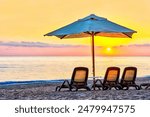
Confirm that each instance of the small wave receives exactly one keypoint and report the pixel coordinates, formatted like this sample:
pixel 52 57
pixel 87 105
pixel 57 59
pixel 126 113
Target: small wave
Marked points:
pixel 147 76
pixel 29 82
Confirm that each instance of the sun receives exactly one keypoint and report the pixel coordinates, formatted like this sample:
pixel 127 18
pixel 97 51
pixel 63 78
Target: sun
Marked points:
pixel 108 49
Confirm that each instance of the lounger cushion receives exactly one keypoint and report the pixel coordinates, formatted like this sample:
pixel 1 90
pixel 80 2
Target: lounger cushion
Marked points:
pixel 129 75
pixel 80 76
pixel 112 75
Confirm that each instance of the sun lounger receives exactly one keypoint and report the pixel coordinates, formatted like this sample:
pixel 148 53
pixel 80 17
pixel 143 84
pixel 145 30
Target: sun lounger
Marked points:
pixel 78 80
pixel 128 78
pixel 110 79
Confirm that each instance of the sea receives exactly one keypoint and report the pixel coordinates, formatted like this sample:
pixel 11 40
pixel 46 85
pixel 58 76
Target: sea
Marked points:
pixel 61 67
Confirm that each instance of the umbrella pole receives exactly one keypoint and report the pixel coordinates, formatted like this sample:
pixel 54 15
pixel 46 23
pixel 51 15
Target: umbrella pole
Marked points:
pixel 93 60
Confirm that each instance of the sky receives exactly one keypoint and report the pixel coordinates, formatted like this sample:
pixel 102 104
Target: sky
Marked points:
pixel 23 24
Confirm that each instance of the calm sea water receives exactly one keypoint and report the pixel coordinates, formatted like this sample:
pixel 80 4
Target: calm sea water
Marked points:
pixel 51 68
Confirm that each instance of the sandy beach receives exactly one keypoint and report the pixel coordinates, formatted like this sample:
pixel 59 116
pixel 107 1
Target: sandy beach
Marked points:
pixel 46 91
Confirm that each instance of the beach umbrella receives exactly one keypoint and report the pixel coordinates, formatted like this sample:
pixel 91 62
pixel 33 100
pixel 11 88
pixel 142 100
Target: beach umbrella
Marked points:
pixel 91 26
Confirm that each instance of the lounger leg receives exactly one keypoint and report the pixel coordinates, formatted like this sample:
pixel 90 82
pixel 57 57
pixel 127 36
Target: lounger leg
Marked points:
pixel 88 89
pixel 118 87
pixel 98 84
pixel 126 88
pixel 141 87
pixel 147 87
pixel 70 88
pixel 105 87
pixel 57 88
pixel 137 87
pixel 144 85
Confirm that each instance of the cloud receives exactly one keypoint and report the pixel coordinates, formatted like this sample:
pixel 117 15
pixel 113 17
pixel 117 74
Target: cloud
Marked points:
pixel 35 44
pixel 138 45
pixel 128 46
pixel 46 45
pixel 134 45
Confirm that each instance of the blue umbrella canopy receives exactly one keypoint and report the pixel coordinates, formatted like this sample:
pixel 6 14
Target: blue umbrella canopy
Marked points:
pixel 91 26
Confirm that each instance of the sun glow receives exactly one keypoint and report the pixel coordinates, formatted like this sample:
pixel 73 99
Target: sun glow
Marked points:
pixel 108 49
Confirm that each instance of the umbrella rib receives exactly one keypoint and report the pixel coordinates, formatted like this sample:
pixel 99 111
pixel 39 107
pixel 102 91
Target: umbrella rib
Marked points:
pixel 91 33
pixel 97 32
pixel 127 35
pixel 63 36
pixel 88 33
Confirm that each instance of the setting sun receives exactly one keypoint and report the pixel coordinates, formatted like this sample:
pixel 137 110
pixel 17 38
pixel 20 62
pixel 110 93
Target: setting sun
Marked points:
pixel 108 49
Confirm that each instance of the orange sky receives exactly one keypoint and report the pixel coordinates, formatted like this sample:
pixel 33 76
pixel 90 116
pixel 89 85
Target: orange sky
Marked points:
pixel 27 21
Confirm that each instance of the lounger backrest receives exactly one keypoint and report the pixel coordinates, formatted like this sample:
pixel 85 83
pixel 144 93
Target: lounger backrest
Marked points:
pixel 112 74
pixel 80 75
pixel 129 74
